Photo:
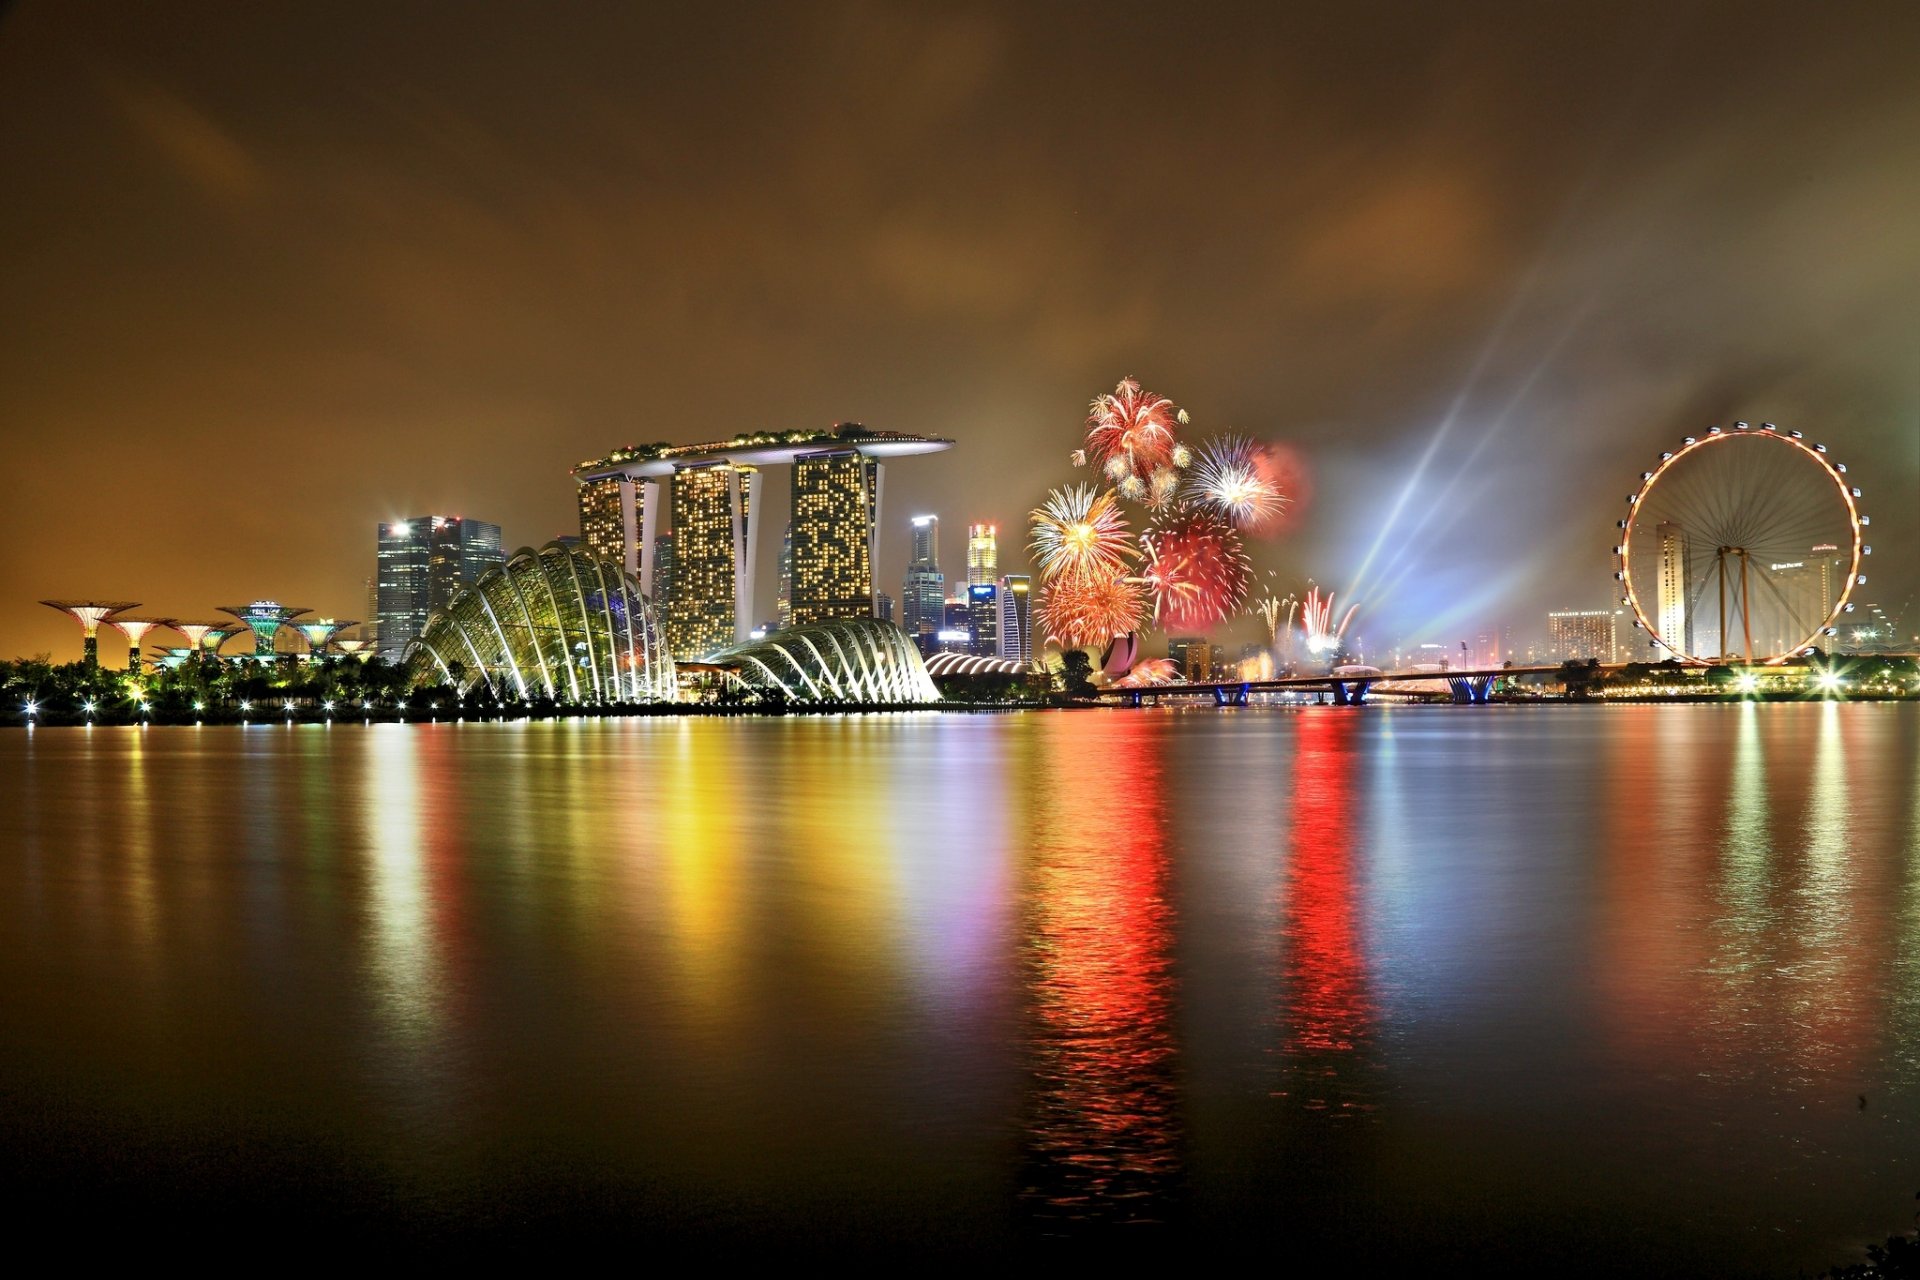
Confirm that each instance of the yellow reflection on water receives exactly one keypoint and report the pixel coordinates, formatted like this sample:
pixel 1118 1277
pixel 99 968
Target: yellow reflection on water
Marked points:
pixel 403 971
pixel 703 801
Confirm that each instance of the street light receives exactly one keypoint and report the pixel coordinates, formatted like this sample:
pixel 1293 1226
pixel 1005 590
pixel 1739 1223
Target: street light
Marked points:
pixel 30 707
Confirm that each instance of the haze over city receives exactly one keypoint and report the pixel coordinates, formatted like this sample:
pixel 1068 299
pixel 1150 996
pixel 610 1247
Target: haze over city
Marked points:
pixel 281 275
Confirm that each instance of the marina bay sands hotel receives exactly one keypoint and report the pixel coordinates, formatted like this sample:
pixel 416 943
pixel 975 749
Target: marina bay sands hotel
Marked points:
pixel 703 573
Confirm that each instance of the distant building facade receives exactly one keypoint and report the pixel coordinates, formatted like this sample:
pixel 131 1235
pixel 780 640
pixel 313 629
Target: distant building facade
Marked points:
pixel 983 555
pixel 1580 634
pixel 923 595
pixel 836 501
pixel 713 506
pixel 1016 638
pixel 983 618
pixel 420 563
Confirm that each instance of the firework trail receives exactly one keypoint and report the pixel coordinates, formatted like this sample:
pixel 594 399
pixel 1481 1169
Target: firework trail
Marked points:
pixel 1077 611
pixel 1237 478
pixel 1082 534
pixel 1272 609
pixel 1317 614
pixel 1195 569
pixel 1131 433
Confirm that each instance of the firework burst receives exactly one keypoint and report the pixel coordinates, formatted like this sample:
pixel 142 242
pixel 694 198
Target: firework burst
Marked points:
pixel 1323 634
pixel 1195 569
pixel 1076 611
pixel 1133 429
pixel 1235 478
pixel 1079 532
pixel 1154 671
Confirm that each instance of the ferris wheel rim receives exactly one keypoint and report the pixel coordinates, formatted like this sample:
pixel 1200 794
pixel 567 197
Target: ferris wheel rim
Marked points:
pixel 1650 479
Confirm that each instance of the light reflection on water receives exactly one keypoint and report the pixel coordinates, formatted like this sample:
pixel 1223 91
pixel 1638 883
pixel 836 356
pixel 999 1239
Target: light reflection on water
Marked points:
pixel 1645 976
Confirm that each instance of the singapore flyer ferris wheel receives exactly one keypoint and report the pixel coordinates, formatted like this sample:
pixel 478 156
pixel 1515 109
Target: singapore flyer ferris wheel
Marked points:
pixel 1742 545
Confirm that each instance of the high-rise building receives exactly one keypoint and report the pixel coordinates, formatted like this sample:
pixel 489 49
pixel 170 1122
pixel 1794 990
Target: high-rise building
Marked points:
pixel 983 618
pixel 370 629
pixel 883 607
pixel 923 596
pixel 619 515
pixel 983 556
pixel 1580 634
pixel 1016 640
pixel 1675 588
pixel 713 506
pixel 926 541
pixel 663 576
pixel 1192 655
pixel 836 500
pixel 783 602
pixel 421 562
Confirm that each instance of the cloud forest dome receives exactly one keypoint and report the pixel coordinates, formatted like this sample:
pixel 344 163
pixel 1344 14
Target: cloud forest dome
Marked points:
pixel 553 623
pixel 835 660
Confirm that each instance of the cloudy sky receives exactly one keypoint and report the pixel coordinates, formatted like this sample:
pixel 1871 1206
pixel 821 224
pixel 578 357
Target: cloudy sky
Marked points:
pixel 275 273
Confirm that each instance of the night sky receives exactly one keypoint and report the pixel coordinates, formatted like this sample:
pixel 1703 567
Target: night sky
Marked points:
pixel 276 273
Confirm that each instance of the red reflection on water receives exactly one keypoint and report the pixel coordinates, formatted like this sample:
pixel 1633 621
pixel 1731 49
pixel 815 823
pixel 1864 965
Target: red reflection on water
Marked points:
pixel 1100 1140
pixel 1328 1010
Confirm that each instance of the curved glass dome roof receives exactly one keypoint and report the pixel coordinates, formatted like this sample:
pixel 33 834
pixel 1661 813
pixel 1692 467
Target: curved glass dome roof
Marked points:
pixel 554 622
pixel 834 660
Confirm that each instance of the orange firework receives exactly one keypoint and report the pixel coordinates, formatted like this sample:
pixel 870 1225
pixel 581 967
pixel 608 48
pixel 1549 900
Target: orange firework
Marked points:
pixel 1078 533
pixel 1076 611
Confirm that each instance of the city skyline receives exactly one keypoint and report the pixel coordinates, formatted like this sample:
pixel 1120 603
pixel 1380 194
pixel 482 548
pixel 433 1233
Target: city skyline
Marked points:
pixel 1554 320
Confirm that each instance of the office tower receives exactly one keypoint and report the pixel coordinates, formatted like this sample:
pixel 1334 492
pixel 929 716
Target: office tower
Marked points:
pixel 836 499
pixel 370 629
pixel 663 575
pixel 983 557
pixel 1016 641
pixel 1675 586
pixel 1580 634
pixel 926 541
pixel 1192 656
pixel 421 563
pixel 923 596
pixel 783 603
pixel 713 529
pixel 883 607
pixel 983 618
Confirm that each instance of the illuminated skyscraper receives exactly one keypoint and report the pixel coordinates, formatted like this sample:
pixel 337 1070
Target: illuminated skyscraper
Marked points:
pixel 883 606
pixel 663 575
pixel 783 602
pixel 421 563
pixel 1015 639
pixel 1675 584
pixel 983 618
pixel 618 514
pixel 1581 634
pixel 923 598
pixel 713 531
pixel 836 502
pixel 983 557
pixel 926 541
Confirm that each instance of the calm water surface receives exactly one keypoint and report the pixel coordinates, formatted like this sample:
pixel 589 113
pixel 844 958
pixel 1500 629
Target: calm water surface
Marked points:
pixel 1595 989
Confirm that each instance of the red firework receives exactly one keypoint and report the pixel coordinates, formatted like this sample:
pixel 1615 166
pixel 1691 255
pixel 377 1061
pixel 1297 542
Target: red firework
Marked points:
pixel 1131 432
pixel 1076 611
pixel 1196 569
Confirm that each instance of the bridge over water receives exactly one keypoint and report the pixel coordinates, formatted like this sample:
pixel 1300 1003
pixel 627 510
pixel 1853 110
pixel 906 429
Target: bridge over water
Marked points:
pixel 1349 687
